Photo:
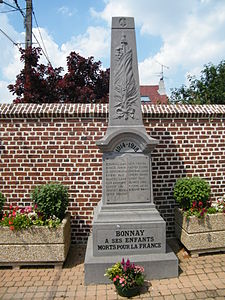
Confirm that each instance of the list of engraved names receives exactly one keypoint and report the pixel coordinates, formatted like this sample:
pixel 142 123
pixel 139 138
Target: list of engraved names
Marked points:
pixel 127 179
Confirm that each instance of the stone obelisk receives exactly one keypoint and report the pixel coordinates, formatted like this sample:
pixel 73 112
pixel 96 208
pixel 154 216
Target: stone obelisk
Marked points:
pixel 126 222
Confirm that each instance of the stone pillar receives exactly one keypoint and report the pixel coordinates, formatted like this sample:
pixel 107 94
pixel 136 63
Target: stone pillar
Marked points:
pixel 126 222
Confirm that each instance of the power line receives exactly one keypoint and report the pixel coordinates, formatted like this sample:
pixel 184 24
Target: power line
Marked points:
pixel 8 4
pixel 8 11
pixel 19 8
pixel 9 38
pixel 45 53
pixel 41 48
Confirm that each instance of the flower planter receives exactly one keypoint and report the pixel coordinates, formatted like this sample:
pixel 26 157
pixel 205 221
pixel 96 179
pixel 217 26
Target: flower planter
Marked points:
pixel 200 235
pixel 36 245
pixel 131 292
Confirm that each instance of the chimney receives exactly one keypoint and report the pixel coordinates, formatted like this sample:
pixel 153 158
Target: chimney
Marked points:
pixel 162 89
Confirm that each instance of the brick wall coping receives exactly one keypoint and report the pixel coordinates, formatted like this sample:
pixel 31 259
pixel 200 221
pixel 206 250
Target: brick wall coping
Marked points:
pixel 101 110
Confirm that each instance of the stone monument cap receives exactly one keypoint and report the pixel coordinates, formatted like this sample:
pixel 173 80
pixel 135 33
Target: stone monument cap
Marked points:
pixel 122 22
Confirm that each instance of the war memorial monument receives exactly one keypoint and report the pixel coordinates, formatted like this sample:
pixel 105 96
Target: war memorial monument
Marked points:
pixel 126 223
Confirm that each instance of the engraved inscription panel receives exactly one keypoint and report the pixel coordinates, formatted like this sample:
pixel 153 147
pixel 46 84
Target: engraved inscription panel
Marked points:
pixel 126 178
pixel 116 180
pixel 132 239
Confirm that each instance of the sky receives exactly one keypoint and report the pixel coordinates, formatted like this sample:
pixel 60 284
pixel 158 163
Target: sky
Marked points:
pixel 182 35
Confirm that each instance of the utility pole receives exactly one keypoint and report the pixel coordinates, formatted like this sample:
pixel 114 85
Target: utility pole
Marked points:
pixel 28 24
pixel 28 43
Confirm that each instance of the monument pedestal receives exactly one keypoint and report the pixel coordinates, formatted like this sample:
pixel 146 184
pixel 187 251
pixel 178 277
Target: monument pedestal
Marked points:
pixel 157 266
pixel 129 231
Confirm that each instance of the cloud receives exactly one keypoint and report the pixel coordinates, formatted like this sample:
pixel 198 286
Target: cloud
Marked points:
pixel 5 96
pixel 192 33
pixel 94 42
pixel 66 11
pixel 14 66
pixel 154 17
pixel 9 62
pixel 7 48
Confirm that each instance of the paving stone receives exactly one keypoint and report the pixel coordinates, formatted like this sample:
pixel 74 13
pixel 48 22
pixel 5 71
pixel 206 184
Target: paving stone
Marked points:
pixel 212 294
pixel 180 297
pixel 221 292
pixel 201 295
pixel 190 296
pixel 176 291
pixel 102 297
pixel 28 296
pixel 8 296
pixel 165 292
pixel 112 297
pixel 12 289
pixel 39 295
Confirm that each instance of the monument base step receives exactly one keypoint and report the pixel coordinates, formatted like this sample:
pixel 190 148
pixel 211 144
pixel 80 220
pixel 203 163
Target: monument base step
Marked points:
pixel 157 266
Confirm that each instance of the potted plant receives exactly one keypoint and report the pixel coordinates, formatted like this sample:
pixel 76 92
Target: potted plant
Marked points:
pixel 199 223
pixel 128 278
pixel 38 234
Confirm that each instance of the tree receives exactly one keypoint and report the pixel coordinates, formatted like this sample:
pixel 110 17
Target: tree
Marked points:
pixel 84 81
pixel 38 83
pixel 209 89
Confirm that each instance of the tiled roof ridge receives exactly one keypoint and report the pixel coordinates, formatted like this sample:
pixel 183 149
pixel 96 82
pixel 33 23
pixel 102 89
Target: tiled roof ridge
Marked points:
pixel 101 110
pixel 149 86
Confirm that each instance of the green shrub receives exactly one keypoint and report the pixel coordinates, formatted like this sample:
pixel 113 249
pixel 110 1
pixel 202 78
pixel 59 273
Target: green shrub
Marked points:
pixel 212 210
pixel 52 199
pixel 189 190
pixel 2 202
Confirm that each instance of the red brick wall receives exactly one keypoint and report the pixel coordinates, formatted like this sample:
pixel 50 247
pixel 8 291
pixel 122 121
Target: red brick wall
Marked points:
pixel 39 144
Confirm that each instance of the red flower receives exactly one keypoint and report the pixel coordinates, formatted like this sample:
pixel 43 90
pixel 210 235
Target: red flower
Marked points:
pixel 11 227
pixel 128 263
pixel 10 222
pixel 200 203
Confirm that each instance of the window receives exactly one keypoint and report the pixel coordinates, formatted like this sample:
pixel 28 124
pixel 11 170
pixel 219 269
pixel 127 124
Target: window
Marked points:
pixel 145 99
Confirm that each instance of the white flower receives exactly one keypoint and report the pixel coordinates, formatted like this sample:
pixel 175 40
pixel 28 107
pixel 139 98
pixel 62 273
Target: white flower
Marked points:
pixel 32 214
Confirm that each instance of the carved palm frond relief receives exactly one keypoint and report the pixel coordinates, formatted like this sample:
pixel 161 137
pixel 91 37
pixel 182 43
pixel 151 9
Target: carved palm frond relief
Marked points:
pixel 125 89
